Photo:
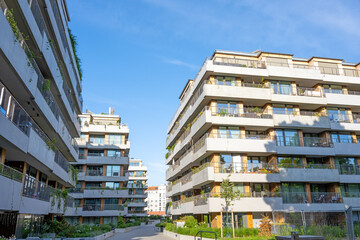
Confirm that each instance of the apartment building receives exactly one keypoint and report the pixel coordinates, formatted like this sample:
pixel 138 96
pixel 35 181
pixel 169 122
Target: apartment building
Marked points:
pixel 101 190
pixel 40 98
pixel 156 200
pixel 137 184
pixel 286 129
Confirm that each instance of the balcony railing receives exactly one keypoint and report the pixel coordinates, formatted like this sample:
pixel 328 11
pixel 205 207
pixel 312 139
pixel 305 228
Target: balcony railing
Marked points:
pixel 308 141
pixel 238 62
pixel 236 112
pixel 237 135
pixel 309 92
pixel 61 160
pixel 307 166
pixel 10 173
pixel 316 197
pixel 91 207
pixel 264 168
pixel 348 169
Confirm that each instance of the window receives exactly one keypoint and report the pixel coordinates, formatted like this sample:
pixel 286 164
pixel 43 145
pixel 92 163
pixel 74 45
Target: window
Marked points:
pixel 346 165
pixel 134 164
pixel 98 139
pixel 283 109
pixel 333 89
pixel 293 192
pixel 280 87
pixel 81 153
pixel 350 190
pixel 337 114
pixel 289 162
pixel 287 137
pixel 229 132
pixel 206 188
pixel 112 185
pixel 94 171
pixel 115 138
pixel 113 171
pixel 226 108
pixel 114 153
pixel 90 185
pixel 259 189
pixel 341 137
pixel 230 163
pixel 256 163
pixel 279 62
pixel 95 153
pixel 111 204
pixel 328 68
pixel 228 81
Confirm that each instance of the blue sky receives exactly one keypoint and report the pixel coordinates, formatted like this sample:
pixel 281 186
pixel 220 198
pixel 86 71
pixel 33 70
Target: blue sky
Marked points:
pixel 137 55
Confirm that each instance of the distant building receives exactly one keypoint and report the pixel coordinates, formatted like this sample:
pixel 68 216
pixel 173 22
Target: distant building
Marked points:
pixel 101 191
pixel 156 200
pixel 137 184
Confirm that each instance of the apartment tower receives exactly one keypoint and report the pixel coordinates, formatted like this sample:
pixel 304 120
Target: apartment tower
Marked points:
pixel 101 190
pixel 286 130
pixel 40 98
pixel 137 184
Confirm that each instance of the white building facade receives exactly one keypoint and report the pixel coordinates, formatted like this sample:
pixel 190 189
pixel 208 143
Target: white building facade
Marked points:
pixel 156 200
pixel 286 130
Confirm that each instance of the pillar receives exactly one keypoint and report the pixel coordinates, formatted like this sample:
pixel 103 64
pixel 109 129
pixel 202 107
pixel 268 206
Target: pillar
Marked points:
pixel 102 204
pixel 247 189
pixel 81 220
pixel 3 154
pixel 301 138
pixel 215 189
pixel 349 115
pixel 242 132
pixel 101 220
pixel 238 81
pixel 249 217
pixel 211 79
pixel 215 220
pixel 304 162
pixel 104 170
pixel 293 88
pixel 308 192
pixel 106 138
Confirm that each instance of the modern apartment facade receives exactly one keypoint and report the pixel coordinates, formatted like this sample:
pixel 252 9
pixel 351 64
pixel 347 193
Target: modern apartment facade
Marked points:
pixel 137 184
pixel 286 129
pixel 40 98
pixel 156 200
pixel 101 190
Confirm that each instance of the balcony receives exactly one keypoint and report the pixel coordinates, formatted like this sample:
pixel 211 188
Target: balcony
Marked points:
pixel 347 147
pixel 303 120
pixel 308 173
pixel 345 100
pixel 219 142
pixel 314 201
pixel 302 95
pixel 346 122
pixel 305 146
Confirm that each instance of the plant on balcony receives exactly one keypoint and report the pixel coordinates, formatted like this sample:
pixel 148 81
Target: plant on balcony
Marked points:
pixel 45 86
pixel 222 112
pixel 51 144
pixel 74 45
pixel 13 24
pixel 74 174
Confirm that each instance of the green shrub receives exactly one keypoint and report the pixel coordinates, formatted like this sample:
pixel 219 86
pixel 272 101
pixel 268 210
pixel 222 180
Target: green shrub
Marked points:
pixel 190 221
pixel 161 224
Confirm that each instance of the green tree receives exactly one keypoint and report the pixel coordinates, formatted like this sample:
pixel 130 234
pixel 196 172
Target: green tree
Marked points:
pixel 229 195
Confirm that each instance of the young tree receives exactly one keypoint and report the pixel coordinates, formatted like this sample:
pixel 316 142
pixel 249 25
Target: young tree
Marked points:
pixel 229 195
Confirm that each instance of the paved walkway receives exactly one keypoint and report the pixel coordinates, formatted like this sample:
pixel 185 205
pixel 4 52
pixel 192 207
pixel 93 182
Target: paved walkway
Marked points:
pixel 145 232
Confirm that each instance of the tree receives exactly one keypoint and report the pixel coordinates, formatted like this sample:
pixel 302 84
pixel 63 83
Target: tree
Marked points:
pixel 229 195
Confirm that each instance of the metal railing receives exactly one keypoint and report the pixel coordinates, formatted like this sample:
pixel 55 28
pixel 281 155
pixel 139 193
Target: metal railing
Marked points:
pixel 348 169
pixel 309 92
pixel 264 168
pixel 237 112
pixel 307 166
pixel 237 135
pixel 317 142
pixel 61 160
pixel 10 173
pixel 326 197
pixel 238 62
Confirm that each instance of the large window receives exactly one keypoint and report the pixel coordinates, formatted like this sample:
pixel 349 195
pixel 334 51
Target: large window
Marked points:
pixel 260 189
pixel 95 153
pixel 112 185
pixel 293 192
pixel 231 163
pixel 113 171
pixel 98 139
pixel 226 108
pixel 114 153
pixel 341 137
pixel 228 81
pixel 94 171
pixel 91 185
pixel 229 132
pixel 350 189
pixel 81 153
pixel 346 165
pixel 283 109
pixel 206 188
pixel 256 163
pixel 115 138
pixel 280 87
pixel 337 114
pixel 333 89
pixel 287 137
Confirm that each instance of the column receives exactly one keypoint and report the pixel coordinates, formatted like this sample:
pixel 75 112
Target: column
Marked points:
pixel 293 88
pixel 3 154
pixel 215 162
pixel 308 192
pixel 101 220
pixel 102 204
pixel 242 132
pixel 247 189
pixel 106 138
pixel 215 189
pixel 249 217
pixel 301 138
pixel 215 220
